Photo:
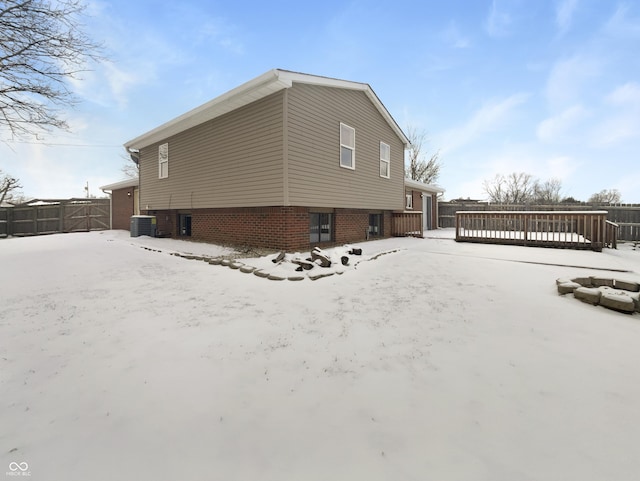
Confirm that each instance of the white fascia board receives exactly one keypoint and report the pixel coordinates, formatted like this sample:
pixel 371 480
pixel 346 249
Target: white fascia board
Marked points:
pixel 424 187
pixel 240 96
pixel 121 184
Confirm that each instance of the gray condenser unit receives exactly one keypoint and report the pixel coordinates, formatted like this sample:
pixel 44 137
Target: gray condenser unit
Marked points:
pixel 143 225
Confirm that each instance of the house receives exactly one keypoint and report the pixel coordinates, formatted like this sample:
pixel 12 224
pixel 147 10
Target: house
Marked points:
pixel 424 198
pixel 124 202
pixel 287 161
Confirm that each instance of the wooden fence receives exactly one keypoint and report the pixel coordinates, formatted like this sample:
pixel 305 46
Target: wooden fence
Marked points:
pixel 626 216
pixel 52 216
pixel 565 229
pixel 407 224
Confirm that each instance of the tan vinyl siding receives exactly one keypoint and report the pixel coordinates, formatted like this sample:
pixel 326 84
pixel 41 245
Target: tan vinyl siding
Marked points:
pixel 315 175
pixel 235 160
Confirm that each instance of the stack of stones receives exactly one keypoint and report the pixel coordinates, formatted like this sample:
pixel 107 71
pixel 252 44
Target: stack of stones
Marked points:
pixel 622 296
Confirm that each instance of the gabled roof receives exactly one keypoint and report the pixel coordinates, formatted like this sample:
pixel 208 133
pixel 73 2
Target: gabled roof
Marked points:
pixel 123 184
pixel 260 87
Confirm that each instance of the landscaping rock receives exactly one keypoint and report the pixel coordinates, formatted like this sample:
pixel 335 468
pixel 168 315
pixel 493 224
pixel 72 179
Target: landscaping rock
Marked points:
pixel 583 281
pixel 215 261
pixel 261 273
pixel 236 265
pixel 601 281
pixel 320 258
pixel 590 295
pixel 627 286
pixel 247 269
pixel 295 278
pixel 279 258
pixel 568 287
pixel 617 301
pixel 274 277
pixel 226 262
pixel 319 275
pixel 563 280
pixel 306 265
pixel 636 300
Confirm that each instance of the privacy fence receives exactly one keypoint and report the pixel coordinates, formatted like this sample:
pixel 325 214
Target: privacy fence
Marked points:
pixel 52 216
pixel 626 216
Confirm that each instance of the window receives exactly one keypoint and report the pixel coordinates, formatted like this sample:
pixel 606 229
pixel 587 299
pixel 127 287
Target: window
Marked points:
pixel 185 224
pixel 347 147
pixel 375 225
pixel 163 161
pixel 409 201
pixel 320 227
pixel 385 159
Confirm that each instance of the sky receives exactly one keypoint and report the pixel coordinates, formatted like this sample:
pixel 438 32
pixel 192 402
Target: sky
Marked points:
pixel 546 87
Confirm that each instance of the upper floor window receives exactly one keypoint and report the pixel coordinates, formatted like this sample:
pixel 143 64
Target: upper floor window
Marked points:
pixel 347 147
pixel 163 161
pixel 385 159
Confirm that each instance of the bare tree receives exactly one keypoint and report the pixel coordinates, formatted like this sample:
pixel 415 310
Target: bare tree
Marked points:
pixel 419 169
pixel 41 46
pixel 610 196
pixel 8 187
pixel 547 192
pixel 514 188
pixel 495 189
pixel 130 168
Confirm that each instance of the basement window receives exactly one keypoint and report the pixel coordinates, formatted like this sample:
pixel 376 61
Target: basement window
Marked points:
pixel 375 225
pixel 320 227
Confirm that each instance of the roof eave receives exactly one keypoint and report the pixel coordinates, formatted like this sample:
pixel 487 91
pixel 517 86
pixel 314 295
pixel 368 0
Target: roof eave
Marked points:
pixel 255 89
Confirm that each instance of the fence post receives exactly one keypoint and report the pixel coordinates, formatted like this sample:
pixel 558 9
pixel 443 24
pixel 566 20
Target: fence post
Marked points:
pixel 61 217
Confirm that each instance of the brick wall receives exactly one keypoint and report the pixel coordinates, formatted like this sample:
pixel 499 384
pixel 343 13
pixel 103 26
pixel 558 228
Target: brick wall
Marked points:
pixel 165 222
pixel 122 208
pixel 271 227
pixel 285 228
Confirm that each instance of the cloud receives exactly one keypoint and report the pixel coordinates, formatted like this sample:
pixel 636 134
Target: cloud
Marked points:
pixel 620 122
pixel 627 94
pixel 568 77
pixel 559 127
pixel 621 24
pixel 499 21
pixel 564 14
pixel 489 117
pixel 452 37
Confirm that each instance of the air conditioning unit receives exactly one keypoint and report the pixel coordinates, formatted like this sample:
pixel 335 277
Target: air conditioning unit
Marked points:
pixel 143 225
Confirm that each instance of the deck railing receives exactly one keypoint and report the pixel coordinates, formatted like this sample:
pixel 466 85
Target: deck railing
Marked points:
pixel 407 223
pixel 565 229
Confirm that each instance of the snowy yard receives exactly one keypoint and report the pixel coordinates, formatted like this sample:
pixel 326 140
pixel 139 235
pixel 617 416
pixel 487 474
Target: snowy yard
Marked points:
pixel 438 361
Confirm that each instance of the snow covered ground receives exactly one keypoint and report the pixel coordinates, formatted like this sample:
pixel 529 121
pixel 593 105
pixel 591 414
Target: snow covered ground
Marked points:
pixel 436 361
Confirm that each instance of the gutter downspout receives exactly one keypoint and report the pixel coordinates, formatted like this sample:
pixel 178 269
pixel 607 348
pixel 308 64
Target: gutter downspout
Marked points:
pixel 110 208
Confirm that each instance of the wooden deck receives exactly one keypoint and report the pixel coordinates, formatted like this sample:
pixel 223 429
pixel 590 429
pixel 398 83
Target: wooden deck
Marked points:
pixel 560 229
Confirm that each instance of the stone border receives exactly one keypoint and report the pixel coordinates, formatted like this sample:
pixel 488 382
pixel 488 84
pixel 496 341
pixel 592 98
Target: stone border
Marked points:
pixel 265 274
pixel 621 296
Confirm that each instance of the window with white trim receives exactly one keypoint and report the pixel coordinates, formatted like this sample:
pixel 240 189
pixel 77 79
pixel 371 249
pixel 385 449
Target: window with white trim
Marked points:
pixel 409 198
pixel 347 147
pixel 385 160
pixel 163 161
